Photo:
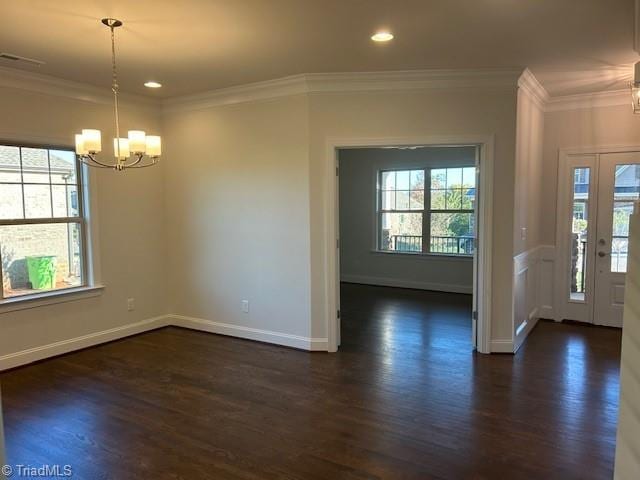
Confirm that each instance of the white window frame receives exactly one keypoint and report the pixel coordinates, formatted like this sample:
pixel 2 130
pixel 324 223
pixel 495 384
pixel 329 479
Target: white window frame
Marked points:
pixel 426 211
pixel 90 268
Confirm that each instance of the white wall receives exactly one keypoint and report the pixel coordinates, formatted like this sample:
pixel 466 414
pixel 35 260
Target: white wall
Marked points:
pixel 359 261
pixel 238 219
pixel 131 226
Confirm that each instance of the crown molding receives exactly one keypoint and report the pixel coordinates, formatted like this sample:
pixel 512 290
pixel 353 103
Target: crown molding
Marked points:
pixel 582 101
pixel 251 92
pixel 532 87
pixel 35 82
pixel 346 82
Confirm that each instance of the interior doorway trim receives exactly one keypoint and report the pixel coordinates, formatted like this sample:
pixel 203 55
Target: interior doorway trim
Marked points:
pixel 482 293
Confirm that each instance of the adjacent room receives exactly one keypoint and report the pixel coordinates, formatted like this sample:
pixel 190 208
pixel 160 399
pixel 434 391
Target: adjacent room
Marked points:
pixel 407 245
pixel 304 239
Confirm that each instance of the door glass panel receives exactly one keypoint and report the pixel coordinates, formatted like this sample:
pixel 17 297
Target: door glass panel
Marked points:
pixel 626 191
pixel 579 232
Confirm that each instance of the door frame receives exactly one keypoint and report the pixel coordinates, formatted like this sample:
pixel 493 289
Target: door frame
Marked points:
pixel 562 259
pixel 484 253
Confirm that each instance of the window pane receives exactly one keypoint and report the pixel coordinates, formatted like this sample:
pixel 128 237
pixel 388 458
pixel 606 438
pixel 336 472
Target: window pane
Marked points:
pixel 402 180
pixel 63 167
pixel 35 165
pixel 469 198
pixel 65 201
pixel 401 232
pixel 36 258
pixel 439 178
pixel 438 199
pixel 417 180
pixel 37 201
pixel 402 200
pixel 10 164
pixel 452 233
pixel 454 199
pixel 469 177
pixel 10 201
pixel 454 177
pixel 389 200
pixel 579 235
pixel 416 202
pixel 388 181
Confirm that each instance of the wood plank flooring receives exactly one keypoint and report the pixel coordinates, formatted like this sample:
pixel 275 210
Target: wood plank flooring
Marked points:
pixel 405 398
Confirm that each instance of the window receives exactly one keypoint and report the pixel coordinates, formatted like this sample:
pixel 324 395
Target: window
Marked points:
pixel 436 219
pixel 42 223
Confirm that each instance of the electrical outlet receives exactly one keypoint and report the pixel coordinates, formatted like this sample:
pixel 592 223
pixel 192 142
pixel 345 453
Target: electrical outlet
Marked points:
pixel 523 233
pixel 131 304
pixel 245 306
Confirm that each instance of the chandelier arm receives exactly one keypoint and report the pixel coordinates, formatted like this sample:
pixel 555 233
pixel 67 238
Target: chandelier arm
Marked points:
pixel 154 161
pixel 139 157
pixel 91 161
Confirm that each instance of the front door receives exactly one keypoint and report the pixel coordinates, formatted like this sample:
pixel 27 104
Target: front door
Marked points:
pixel 595 198
pixel 618 189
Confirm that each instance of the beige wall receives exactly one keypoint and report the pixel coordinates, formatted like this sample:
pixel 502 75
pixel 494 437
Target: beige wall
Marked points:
pixel 131 223
pixel 238 214
pixel 603 126
pixel 417 113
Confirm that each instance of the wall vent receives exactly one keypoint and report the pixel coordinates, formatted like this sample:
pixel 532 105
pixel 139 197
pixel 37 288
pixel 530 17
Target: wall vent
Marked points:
pixel 17 58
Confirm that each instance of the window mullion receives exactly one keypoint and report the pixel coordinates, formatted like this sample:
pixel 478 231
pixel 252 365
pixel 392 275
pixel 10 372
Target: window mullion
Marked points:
pixel 426 213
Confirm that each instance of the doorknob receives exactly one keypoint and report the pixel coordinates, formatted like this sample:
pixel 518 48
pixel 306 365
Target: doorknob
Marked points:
pixel 602 254
pixel 602 242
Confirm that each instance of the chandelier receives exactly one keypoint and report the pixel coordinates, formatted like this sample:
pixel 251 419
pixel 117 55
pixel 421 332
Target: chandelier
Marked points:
pixel 138 150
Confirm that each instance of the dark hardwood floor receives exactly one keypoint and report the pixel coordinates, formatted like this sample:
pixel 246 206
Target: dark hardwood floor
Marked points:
pixel 405 398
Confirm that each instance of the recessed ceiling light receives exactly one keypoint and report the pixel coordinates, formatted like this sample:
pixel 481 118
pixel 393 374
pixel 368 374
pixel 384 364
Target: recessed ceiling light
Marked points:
pixel 152 84
pixel 382 37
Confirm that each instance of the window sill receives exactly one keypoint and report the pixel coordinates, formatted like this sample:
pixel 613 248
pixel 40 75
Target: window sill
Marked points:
pixel 426 256
pixel 49 298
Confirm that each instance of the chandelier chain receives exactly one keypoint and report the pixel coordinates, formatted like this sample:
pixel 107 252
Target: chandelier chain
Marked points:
pixel 115 88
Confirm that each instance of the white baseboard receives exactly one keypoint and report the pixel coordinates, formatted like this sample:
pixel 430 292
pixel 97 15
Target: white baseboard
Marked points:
pixel 394 282
pixel 30 355
pixel 501 346
pixel 277 338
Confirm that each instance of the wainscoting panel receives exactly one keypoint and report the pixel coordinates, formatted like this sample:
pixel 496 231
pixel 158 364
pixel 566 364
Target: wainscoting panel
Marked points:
pixel 546 282
pixel 533 290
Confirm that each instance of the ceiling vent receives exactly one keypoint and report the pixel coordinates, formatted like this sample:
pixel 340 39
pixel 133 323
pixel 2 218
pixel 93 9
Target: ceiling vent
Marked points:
pixel 17 58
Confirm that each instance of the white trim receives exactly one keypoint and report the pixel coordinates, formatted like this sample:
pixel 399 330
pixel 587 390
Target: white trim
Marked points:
pixel 35 82
pixel 613 98
pixel 529 83
pixel 346 82
pixel 30 355
pixel 501 346
pixel 322 83
pixel 13 304
pixel 485 230
pixel 249 333
pixel 400 283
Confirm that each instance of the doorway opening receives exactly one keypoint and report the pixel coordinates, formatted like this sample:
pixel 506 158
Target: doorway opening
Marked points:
pixel 596 195
pixel 412 225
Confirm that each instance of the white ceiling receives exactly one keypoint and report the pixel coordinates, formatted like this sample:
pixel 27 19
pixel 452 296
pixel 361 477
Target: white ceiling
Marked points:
pixel 572 46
